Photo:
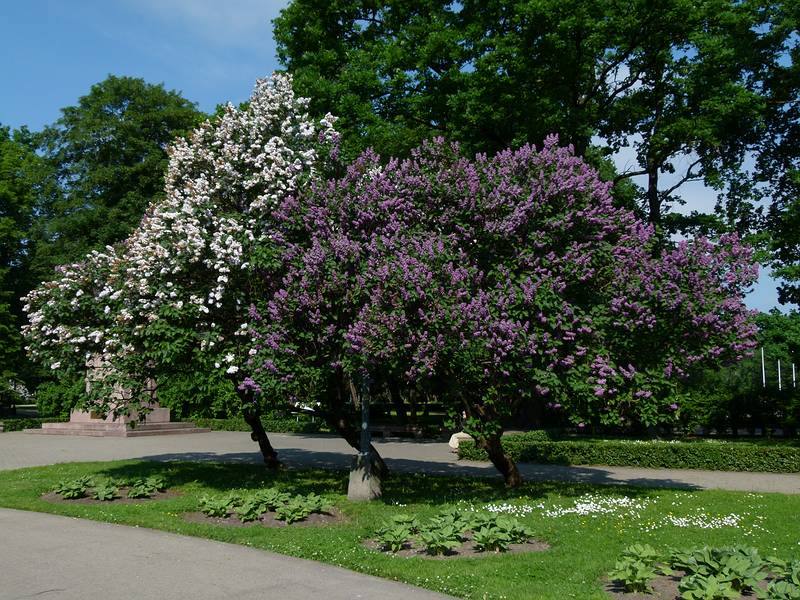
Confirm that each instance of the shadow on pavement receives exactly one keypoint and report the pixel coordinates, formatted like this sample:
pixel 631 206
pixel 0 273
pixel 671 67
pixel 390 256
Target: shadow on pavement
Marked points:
pixel 296 458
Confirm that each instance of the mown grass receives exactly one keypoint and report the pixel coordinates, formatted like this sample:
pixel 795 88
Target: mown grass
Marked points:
pixel 583 547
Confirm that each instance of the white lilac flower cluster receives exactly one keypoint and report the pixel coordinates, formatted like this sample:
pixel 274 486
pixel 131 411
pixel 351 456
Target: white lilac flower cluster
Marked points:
pixel 192 249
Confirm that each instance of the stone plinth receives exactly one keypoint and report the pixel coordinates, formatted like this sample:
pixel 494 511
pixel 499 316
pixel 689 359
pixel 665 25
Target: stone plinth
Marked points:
pixel 82 422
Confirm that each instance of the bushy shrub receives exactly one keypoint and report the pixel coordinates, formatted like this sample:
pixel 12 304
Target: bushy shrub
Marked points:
pixel 707 455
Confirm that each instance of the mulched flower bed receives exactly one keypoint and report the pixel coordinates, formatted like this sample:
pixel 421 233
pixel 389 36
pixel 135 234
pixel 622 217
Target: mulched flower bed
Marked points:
pixel 467 549
pixel 664 588
pixel 267 520
pixel 123 499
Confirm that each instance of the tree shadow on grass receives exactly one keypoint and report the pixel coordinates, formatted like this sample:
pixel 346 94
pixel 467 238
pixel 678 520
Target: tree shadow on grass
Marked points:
pixel 410 481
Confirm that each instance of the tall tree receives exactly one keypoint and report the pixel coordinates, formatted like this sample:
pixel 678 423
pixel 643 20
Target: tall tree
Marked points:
pixel 109 157
pixel 779 154
pixel 677 79
pixel 18 163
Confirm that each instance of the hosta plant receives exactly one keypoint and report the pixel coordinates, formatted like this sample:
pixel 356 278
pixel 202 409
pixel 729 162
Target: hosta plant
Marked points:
pixel 440 540
pixel 516 531
pixel 637 567
pixel 250 510
pixel 141 488
pixel 74 488
pixel 105 491
pixel 408 521
pixel 294 510
pixel 491 539
pixel 781 590
pixel 157 482
pixel 218 507
pixel 634 574
pixel 271 498
pixel 706 587
pixel 451 518
pixel 316 504
pixel 393 537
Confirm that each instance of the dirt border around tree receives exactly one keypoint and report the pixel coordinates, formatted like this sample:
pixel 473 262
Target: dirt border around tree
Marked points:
pixel 55 498
pixel 331 517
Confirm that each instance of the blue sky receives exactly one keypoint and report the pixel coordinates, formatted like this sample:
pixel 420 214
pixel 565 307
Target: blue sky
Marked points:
pixel 210 50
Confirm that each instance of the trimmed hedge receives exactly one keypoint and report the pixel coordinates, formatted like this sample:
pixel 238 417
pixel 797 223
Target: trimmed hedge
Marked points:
pixel 273 425
pixel 706 455
pixel 18 424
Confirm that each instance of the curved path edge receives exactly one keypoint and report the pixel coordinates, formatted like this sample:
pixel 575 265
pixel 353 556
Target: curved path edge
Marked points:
pixel 50 556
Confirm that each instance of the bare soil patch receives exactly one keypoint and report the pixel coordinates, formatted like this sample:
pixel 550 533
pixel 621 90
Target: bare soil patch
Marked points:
pixel 123 499
pixel 268 520
pixel 467 549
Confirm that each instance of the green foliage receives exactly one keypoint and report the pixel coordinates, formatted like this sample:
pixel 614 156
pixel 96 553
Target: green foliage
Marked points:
pixel 707 455
pixel 739 568
pixel 56 398
pixel 782 590
pixel 145 488
pixel 438 540
pixel 679 78
pixel 73 488
pixel 294 510
pixel 109 157
pixel 403 520
pixel 271 498
pixel 18 424
pixel 219 507
pixel 491 539
pixel 250 510
pixel 393 536
pixel 452 518
pixel 272 424
pixel 105 491
pixel 706 587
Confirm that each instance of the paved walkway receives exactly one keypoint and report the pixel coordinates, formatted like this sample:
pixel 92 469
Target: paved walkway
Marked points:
pixel 22 450
pixel 47 556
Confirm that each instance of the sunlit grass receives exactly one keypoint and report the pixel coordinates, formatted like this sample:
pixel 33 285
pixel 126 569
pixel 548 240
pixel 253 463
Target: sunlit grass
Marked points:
pixel 586 526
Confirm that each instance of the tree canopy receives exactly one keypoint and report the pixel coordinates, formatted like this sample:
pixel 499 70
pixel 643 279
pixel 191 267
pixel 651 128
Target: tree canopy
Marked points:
pixel 680 81
pixel 108 155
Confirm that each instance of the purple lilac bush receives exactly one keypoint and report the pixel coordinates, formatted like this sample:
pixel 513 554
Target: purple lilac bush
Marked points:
pixel 490 283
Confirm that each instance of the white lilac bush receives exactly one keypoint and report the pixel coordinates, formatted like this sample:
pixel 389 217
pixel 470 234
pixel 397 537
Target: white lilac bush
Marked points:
pixel 176 293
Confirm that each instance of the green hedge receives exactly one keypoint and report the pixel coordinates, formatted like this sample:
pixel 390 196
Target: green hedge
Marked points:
pixel 18 424
pixel 287 425
pixel 708 455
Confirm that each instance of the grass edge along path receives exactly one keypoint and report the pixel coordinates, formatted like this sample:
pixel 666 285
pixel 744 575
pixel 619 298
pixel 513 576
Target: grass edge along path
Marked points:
pixel 586 526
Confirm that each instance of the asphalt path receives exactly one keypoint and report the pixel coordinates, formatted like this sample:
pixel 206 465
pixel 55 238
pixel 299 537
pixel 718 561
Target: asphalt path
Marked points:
pixel 326 451
pixel 52 557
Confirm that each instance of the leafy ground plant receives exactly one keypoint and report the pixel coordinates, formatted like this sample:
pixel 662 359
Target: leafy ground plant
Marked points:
pixel 218 507
pixel 394 537
pixel 73 488
pixel 782 590
pixel 706 587
pixel 636 569
pixel 106 491
pixel 294 510
pixel 491 538
pixel 440 540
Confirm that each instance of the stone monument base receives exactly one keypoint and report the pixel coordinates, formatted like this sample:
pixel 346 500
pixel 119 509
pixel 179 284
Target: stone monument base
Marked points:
pixel 156 422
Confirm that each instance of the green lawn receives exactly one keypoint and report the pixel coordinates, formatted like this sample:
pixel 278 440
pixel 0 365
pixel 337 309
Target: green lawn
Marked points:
pixel 583 546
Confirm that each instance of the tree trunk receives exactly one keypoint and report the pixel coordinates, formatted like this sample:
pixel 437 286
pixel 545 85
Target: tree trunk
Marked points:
pixel 259 435
pixel 397 400
pixel 337 419
pixel 653 201
pixel 500 459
